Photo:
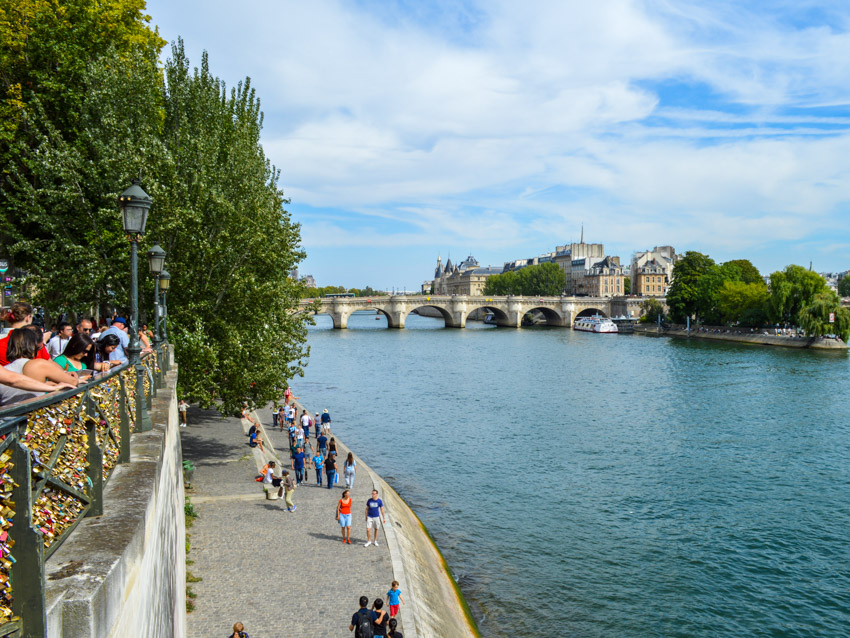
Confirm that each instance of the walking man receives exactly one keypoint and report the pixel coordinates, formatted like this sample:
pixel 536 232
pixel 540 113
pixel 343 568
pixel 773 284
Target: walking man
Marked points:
pixel 374 516
pixel 326 422
pixel 289 490
pixel 298 464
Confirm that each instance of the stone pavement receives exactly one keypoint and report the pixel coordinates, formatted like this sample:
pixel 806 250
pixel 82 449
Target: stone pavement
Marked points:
pixel 281 574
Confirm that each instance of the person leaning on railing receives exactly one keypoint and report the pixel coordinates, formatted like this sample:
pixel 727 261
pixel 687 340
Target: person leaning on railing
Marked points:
pixel 26 376
pixel 79 355
pixel 97 358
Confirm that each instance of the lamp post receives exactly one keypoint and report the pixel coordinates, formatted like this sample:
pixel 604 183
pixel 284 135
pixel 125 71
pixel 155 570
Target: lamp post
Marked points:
pixel 156 259
pixel 164 281
pixel 135 204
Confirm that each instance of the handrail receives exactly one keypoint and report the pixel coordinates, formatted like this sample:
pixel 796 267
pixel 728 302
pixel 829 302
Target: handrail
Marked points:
pixel 57 452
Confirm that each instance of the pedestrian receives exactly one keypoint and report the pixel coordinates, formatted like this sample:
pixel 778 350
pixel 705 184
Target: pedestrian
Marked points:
pixel 289 489
pixel 287 396
pixel 316 424
pixel 330 470
pixel 182 408
pixel 332 447
pixel 318 460
pixel 326 422
pixel 274 416
pixel 322 444
pixel 298 465
pixel 305 424
pixel 393 598
pixel 381 618
pixel 362 620
pixel 281 418
pixel 343 515
pixel 374 516
pixel 238 631
pixel 391 629
pixel 348 471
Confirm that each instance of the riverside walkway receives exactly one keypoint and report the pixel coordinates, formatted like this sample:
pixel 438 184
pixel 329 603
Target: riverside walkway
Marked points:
pixel 280 574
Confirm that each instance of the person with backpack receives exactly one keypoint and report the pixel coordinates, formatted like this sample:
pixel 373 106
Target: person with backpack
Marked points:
pixel 362 622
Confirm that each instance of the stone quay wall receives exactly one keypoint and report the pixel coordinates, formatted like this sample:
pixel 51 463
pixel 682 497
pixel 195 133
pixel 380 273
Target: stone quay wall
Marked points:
pixel 124 573
pixel 783 341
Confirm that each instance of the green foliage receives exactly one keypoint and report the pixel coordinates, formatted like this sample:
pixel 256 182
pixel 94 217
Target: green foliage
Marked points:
pixel 684 296
pixel 814 317
pixel 627 286
pixel 744 303
pixel 747 273
pixel 317 293
pixel 652 309
pixel 844 286
pixel 110 114
pixel 546 280
pixel 791 290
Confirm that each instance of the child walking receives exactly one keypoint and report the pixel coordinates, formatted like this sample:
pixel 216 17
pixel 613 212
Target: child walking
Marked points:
pixel 393 598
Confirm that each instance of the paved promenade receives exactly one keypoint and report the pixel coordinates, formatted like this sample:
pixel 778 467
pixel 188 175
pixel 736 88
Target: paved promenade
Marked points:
pixel 281 574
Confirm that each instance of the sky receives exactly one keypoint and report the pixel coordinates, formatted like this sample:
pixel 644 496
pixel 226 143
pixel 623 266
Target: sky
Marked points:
pixel 408 129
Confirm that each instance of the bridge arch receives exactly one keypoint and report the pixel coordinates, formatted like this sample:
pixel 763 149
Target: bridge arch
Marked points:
pixel 553 317
pixel 499 316
pixel 590 312
pixel 444 312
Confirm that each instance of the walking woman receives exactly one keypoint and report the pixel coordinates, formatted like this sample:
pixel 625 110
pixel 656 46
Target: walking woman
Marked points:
pixel 332 448
pixel 343 515
pixel 348 471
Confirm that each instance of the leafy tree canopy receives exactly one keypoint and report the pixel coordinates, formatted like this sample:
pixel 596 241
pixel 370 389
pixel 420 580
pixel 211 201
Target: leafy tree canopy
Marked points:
pixel 844 286
pixel 541 280
pixel 683 296
pixel 814 318
pixel 218 209
pixel 791 290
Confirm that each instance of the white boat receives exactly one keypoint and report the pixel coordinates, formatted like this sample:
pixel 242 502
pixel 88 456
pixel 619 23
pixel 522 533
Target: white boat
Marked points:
pixel 595 324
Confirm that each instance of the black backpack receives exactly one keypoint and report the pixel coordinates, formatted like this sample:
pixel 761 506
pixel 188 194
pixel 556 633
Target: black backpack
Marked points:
pixel 364 624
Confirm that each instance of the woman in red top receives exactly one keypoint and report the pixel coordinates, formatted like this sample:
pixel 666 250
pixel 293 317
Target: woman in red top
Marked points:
pixel 343 515
pixel 19 315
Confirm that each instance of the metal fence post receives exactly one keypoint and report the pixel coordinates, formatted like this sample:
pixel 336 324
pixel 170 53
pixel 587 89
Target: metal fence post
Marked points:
pixel 124 411
pixel 27 574
pixel 95 460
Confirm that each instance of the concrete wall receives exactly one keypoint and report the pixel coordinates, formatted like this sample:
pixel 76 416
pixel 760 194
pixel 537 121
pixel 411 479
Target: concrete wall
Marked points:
pixel 814 343
pixel 123 574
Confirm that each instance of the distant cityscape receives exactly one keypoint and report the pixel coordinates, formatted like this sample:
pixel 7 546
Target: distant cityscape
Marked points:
pixel 587 269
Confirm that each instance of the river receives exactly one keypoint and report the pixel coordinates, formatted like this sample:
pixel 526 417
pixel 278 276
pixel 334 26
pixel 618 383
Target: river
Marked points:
pixel 604 485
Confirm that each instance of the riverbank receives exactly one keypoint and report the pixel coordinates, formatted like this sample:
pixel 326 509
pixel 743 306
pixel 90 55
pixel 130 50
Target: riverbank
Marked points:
pixel 782 341
pixel 435 606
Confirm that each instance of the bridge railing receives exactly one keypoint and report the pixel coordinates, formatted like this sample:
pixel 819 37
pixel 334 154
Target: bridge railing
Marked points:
pixel 57 452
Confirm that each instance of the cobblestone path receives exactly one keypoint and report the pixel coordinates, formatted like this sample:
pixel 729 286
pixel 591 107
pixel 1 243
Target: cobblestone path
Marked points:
pixel 281 574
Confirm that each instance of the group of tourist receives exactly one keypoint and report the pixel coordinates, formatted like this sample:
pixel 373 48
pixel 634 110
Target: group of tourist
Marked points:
pixel 35 361
pixel 366 622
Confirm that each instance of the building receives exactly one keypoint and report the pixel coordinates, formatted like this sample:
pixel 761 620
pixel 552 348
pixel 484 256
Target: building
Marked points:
pixel 465 278
pixel 603 278
pixel 309 281
pixel 574 259
pixel 665 258
pixel 650 279
pixel 532 261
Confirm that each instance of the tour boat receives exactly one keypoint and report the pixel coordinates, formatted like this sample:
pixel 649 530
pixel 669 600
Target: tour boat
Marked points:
pixel 595 324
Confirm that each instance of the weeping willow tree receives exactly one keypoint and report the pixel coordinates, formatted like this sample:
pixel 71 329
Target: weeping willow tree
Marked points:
pixel 814 318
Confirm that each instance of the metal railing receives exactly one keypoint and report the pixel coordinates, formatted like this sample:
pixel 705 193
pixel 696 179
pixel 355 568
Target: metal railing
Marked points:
pixel 57 453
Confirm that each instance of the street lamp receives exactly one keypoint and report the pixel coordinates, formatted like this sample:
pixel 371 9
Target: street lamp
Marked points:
pixel 135 204
pixel 156 259
pixel 164 280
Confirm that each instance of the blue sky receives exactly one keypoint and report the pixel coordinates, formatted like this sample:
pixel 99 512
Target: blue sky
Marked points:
pixel 413 128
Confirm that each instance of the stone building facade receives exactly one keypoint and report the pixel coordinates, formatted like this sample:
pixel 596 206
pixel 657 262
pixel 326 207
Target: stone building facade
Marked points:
pixel 650 280
pixel 465 278
pixel 604 278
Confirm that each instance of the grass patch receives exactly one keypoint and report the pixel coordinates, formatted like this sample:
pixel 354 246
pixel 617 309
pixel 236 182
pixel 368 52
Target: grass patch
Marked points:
pixel 191 578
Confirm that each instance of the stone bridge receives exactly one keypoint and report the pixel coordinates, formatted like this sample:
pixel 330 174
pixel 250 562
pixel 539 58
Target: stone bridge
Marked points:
pixel 507 311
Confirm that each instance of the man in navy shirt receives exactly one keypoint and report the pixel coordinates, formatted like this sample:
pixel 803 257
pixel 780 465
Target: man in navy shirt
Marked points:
pixel 366 614
pixel 322 443
pixel 374 516
pixel 298 465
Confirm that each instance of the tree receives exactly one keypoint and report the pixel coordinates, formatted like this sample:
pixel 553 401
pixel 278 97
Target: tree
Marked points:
pixel 814 317
pixel 744 303
pixel 683 297
pixel 218 210
pixel 791 290
pixel 546 280
pixel 652 309
pixel 747 273
pixel 627 286
pixel 844 286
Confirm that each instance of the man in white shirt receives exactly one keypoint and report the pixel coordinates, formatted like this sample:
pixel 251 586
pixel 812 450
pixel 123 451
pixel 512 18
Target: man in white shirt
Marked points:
pixel 56 345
